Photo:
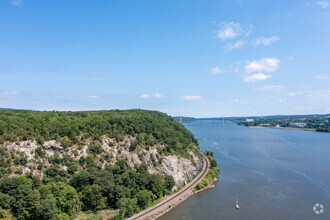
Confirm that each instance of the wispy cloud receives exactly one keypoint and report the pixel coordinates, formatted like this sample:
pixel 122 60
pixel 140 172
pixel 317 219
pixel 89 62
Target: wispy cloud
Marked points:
pixel 145 96
pixel 217 70
pixel 9 94
pixel 323 95
pixel 325 77
pixel 191 97
pixel 323 4
pixel 229 30
pixel 156 95
pixel 234 100
pixel 256 77
pixel 264 41
pixel 270 88
pixel 237 45
pixel 90 96
pixel 265 64
pixel 17 3
pixel 292 94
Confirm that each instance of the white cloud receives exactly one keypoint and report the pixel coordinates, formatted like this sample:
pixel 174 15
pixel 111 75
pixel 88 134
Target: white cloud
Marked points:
pixel 264 41
pixel 229 30
pixel 145 96
pixel 234 101
pixel 265 64
pixel 323 4
pixel 237 45
pixel 216 70
pixel 191 97
pixel 322 77
pixel 17 3
pixel 292 94
pixel 270 88
pixel 256 77
pixel 13 92
pixel 8 94
pixel 156 95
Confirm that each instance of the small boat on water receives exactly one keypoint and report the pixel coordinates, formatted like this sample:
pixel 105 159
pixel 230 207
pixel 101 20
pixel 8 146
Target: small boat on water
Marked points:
pixel 237 206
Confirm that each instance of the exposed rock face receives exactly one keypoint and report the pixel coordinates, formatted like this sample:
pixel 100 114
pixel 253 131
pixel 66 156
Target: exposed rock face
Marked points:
pixel 182 169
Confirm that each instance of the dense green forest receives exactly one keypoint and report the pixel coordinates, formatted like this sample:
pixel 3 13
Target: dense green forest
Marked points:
pixel 75 127
pixel 86 184
pixel 59 195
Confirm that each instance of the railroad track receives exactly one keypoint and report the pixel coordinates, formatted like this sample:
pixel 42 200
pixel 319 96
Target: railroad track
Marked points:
pixel 146 212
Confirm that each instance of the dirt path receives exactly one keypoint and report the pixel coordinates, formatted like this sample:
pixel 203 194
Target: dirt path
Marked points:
pixel 173 200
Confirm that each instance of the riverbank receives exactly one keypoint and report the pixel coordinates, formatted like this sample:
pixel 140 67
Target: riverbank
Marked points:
pixel 288 128
pixel 175 199
pixel 212 185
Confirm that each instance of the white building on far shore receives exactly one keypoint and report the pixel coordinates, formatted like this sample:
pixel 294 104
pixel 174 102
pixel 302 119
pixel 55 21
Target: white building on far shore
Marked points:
pixel 299 124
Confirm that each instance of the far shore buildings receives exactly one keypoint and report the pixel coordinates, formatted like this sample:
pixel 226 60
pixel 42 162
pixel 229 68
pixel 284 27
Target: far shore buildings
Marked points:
pixel 249 120
pixel 298 124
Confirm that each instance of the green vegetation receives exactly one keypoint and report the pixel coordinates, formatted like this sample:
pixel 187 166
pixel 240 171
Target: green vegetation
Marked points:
pixel 91 190
pixel 211 175
pixel 71 128
pixel 92 183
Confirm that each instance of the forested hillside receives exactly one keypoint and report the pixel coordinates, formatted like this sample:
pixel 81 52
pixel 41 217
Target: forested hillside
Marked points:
pixel 55 164
pixel 76 127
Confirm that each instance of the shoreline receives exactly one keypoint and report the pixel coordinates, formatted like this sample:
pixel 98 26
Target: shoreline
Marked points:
pixel 288 128
pixel 173 200
pixel 208 186
pixel 193 193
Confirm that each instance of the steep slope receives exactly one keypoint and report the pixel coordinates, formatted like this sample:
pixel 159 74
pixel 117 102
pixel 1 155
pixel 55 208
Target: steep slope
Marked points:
pixel 143 154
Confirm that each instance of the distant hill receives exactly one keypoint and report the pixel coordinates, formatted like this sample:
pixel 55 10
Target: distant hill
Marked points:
pixel 7 109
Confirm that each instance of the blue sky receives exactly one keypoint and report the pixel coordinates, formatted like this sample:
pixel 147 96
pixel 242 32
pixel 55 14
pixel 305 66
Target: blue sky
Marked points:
pixel 193 58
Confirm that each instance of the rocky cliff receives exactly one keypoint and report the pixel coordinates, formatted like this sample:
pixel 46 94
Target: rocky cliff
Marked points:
pixel 33 157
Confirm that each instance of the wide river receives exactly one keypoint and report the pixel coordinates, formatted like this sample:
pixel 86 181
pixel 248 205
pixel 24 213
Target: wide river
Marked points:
pixel 274 174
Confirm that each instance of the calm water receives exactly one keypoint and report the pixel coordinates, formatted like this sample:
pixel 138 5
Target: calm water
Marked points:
pixel 274 173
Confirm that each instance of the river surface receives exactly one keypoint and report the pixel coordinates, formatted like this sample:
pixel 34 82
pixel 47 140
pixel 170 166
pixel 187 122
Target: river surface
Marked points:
pixel 274 173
